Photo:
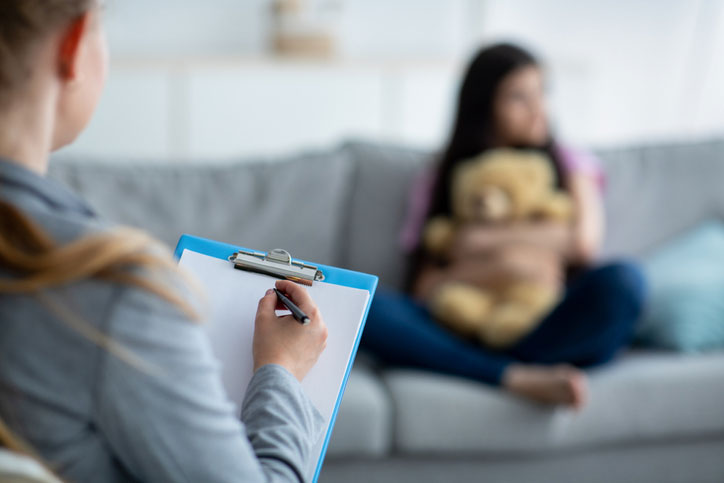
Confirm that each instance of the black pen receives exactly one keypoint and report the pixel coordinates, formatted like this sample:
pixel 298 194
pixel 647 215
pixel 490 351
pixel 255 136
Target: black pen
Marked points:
pixel 296 311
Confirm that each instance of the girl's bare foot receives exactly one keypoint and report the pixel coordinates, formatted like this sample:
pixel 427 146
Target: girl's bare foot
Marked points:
pixel 560 385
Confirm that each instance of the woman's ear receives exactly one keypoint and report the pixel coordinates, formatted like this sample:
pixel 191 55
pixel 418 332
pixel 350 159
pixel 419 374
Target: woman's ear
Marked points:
pixel 71 41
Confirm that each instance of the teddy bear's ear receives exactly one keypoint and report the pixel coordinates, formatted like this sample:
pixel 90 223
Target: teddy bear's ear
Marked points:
pixel 543 167
pixel 543 175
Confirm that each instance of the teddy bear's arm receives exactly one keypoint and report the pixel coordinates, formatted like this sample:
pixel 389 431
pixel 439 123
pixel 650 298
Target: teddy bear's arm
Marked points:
pixel 557 207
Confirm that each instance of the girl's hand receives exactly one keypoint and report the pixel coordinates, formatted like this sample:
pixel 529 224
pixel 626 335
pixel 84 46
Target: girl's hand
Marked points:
pixel 283 340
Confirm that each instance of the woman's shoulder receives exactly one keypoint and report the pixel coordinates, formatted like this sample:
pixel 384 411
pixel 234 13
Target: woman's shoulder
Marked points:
pixel 65 227
pixel 96 300
pixel 77 315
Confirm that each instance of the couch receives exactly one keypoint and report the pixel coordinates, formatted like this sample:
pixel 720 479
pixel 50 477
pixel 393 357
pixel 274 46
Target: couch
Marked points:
pixel 652 416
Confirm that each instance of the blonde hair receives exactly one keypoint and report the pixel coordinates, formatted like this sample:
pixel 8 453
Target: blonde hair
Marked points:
pixel 35 262
pixel 27 250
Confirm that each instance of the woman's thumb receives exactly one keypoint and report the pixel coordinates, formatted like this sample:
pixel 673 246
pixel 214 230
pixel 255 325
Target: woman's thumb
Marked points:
pixel 268 302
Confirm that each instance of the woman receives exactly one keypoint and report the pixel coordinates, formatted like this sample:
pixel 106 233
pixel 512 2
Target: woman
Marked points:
pixel 104 376
pixel 502 104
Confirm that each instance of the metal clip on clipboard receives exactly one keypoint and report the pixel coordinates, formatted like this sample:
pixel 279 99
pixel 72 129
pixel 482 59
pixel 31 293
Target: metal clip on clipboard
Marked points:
pixel 277 263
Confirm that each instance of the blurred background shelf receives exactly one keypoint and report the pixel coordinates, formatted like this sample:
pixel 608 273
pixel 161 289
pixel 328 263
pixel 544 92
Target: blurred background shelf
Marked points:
pixel 199 80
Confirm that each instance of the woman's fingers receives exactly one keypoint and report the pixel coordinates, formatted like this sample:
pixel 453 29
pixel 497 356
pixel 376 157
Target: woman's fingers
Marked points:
pixel 285 341
pixel 298 294
pixel 268 303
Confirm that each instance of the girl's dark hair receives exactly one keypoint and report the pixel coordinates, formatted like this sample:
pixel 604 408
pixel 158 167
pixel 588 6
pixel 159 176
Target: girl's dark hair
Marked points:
pixel 474 127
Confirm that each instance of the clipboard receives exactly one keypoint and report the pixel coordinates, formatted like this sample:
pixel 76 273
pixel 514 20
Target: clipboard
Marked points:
pixel 280 264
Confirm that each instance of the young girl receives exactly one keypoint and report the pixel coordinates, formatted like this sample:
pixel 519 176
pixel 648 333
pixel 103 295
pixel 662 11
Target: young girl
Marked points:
pixel 104 376
pixel 502 104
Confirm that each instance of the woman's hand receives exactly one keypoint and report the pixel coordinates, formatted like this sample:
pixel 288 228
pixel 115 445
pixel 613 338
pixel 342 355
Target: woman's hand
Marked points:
pixel 283 340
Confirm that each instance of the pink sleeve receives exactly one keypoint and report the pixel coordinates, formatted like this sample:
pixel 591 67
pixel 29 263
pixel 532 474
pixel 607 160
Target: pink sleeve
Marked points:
pixel 417 205
pixel 582 162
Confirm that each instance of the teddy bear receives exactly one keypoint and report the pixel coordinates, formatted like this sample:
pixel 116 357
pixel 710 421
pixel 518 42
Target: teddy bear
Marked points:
pixel 501 186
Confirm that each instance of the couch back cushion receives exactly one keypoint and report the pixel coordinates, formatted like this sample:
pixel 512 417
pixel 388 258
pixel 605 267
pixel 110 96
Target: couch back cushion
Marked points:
pixel 652 193
pixel 296 204
pixel 346 207
pixel 656 192
pixel 377 207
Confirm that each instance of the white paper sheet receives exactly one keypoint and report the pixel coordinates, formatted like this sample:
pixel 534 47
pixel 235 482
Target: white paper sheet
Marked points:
pixel 233 296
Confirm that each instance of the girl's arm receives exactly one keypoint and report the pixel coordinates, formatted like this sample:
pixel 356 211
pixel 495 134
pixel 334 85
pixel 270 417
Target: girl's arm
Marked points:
pixel 578 242
pixel 488 272
pixel 477 272
pixel 589 227
pixel 477 240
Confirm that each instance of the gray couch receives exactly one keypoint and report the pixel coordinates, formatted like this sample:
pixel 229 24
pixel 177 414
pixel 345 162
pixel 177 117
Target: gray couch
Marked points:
pixel 652 416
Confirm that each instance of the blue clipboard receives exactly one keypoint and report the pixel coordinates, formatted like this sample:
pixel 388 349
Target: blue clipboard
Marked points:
pixel 333 275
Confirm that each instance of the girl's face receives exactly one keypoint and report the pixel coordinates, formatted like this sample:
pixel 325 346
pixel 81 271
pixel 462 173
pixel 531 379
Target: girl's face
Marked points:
pixel 519 109
pixel 80 96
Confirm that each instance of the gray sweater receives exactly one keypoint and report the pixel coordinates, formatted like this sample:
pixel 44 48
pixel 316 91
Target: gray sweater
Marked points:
pixel 96 417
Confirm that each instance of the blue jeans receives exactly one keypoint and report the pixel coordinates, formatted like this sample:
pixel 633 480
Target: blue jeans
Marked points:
pixel 592 322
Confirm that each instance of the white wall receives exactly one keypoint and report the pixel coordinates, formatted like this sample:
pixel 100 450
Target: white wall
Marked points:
pixel 229 108
pixel 625 70
pixel 366 28
pixel 177 28
pixel 193 80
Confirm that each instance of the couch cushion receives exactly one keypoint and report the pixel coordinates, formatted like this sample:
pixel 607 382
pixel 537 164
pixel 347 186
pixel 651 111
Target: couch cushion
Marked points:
pixel 685 310
pixel 363 425
pixel 295 204
pixel 642 397
pixel 656 192
pixel 377 207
